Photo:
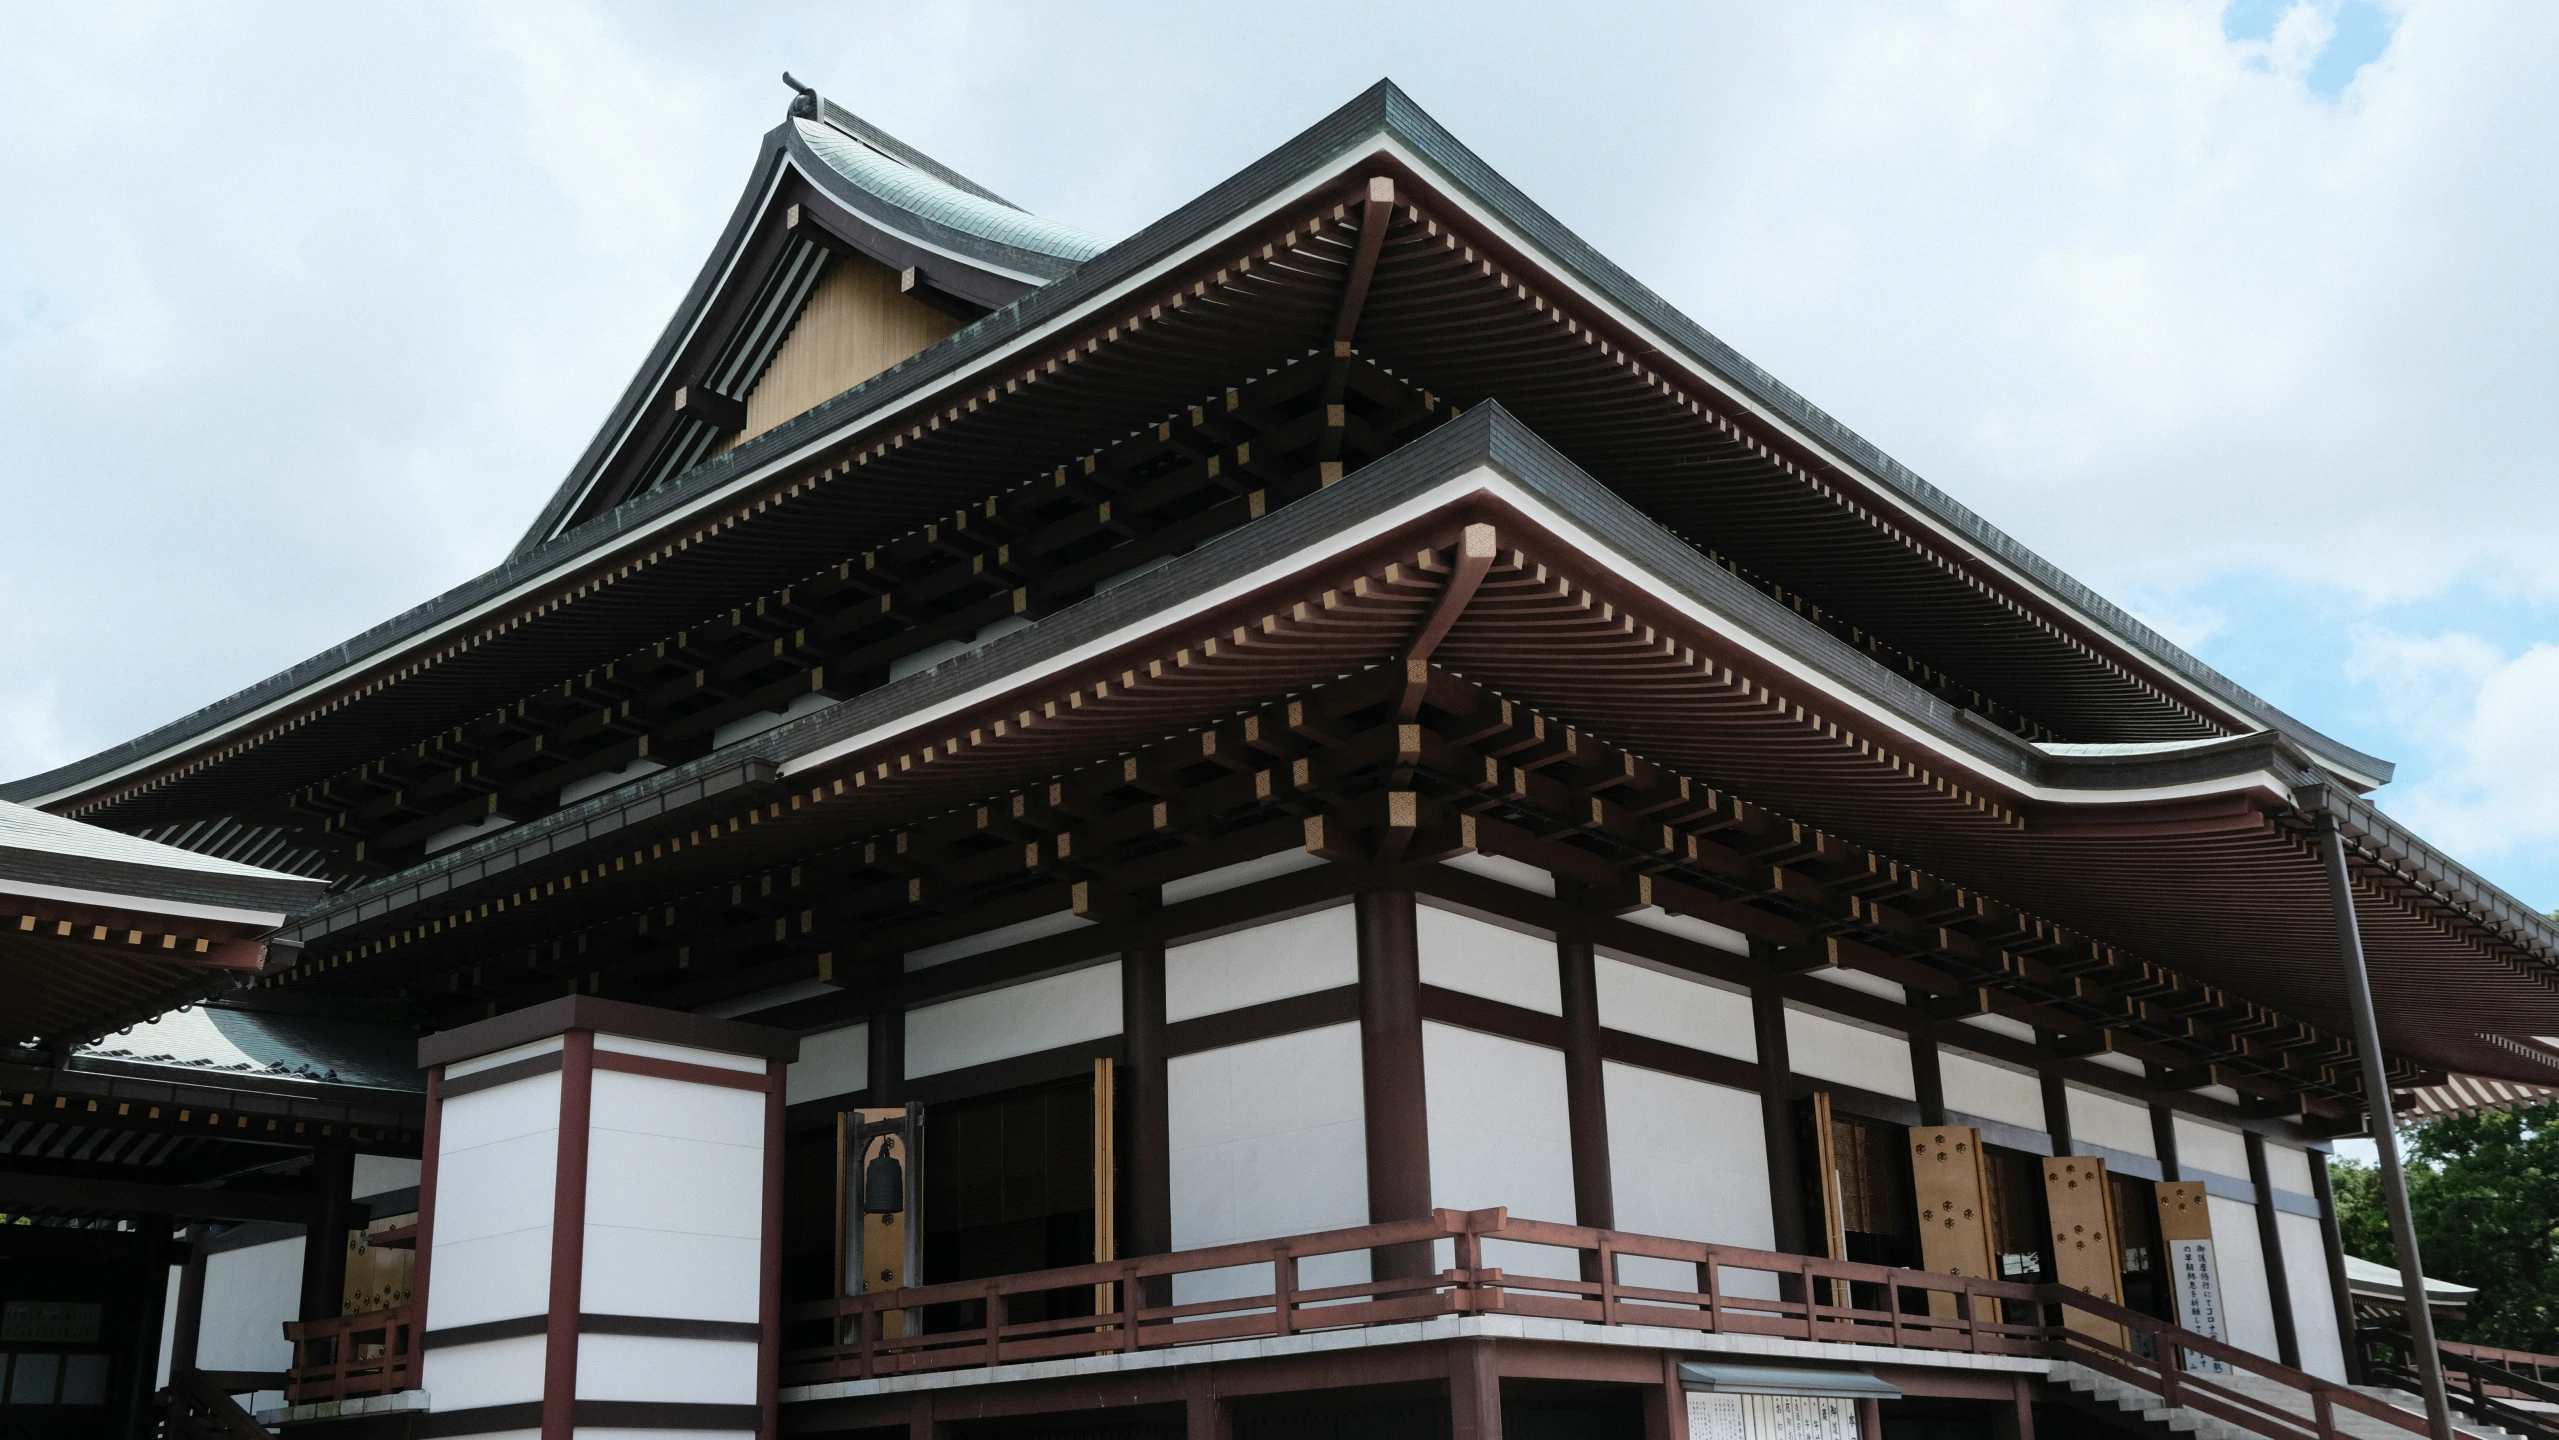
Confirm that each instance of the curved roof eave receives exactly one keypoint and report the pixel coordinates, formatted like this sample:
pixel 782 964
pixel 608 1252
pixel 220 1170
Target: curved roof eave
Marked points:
pixel 1435 472
pixel 1383 113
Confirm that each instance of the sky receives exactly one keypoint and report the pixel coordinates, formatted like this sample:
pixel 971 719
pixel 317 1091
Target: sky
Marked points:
pixel 2243 313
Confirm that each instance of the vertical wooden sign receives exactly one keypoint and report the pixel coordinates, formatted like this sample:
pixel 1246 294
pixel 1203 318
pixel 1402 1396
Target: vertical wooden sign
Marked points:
pixel 2194 1271
pixel 2084 1256
pixel 871 1250
pixel 1834 1214
pixel 1952 1191
pixel 1105 1184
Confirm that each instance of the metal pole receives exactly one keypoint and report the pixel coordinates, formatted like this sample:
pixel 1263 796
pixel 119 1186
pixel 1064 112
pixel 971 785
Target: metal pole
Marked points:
pixel 2385 1135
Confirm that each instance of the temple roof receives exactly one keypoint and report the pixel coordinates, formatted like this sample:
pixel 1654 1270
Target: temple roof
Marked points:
pixel 1934 566
pixel 2193 857
pixel 938 205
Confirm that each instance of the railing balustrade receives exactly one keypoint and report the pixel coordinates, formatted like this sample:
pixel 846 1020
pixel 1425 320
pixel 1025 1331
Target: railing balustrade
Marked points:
pixel 1272 1288
pixel 1734 1291
pixel 349 1357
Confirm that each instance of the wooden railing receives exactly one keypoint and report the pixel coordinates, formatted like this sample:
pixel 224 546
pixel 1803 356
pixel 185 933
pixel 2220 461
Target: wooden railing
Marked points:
pixel 1256 1289
pixel 198 1405
pixel 2491 1385
pixel 352 1356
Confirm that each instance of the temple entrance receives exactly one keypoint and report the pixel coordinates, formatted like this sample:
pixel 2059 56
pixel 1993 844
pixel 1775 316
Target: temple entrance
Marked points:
pixel 1009 1187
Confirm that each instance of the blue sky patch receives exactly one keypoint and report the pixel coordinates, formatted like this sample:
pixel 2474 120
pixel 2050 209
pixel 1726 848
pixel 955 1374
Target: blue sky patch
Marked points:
pixel 2362 30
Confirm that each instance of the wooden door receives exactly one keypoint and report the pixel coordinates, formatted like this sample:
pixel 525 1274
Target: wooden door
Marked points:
pixel 2192 1270
pixel 2077 1200
pixel 1953 1194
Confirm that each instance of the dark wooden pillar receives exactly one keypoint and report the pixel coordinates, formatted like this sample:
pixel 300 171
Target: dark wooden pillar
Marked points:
pixel 2332 1241
pixel 886 1044
pixel 2163 1138
pixel 1666 1404
pixel 1777 1120
pixel 1585 1092
pixel 324 1244
pixel 2016 1420
pixel 188 1322
pixel 1391 1079
pixel 1927 1076
pixel 1147 1104
pixel 1204 1415
pixel 2270 1238
pixel 1474 1391
pixel 2056 1101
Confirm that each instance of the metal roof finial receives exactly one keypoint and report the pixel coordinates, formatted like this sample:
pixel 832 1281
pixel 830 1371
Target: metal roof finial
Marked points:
pixel 806 106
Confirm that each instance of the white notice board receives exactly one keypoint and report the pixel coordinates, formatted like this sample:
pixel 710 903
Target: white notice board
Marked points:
pixel 1715 1415
pixel 2197 1283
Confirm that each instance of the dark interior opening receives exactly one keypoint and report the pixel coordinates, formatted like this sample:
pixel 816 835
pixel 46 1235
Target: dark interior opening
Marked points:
pixel 1008 1188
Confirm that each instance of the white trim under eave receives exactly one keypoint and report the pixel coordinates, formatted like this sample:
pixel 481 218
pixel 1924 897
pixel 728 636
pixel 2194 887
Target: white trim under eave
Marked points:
pixel 263 919
pixel 1484 479
pixel 676 519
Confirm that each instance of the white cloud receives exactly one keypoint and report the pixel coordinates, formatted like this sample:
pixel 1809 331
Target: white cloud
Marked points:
pixel 2487 782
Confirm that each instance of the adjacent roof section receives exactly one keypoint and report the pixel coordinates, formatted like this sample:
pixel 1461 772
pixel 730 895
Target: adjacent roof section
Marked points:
pixel 52 854
pixel 99 929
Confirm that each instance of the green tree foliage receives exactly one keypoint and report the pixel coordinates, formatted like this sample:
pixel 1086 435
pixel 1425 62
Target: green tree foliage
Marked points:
pixel 2484 1190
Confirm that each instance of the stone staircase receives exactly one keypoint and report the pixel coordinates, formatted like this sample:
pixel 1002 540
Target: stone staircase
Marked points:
pixel 2131 1403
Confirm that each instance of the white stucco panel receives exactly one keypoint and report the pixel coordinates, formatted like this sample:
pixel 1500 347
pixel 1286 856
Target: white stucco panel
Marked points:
pixel 1023 1019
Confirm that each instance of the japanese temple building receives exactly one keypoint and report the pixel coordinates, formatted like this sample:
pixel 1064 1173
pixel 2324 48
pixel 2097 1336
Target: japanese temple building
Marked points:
pixel 1327 820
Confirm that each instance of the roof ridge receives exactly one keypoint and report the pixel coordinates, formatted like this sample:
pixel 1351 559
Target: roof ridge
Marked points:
pixel 832 114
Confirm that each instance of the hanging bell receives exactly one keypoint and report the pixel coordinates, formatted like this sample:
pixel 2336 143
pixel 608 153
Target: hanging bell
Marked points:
pixel 883 1184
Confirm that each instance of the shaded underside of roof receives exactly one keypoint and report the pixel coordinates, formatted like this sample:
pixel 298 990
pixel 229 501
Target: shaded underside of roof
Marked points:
pixel 1635 639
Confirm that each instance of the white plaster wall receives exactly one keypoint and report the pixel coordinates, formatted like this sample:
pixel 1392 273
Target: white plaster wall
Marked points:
pixel 650 1367
pixel 494 1372
pixel 2288 1167
pixel 1686 927
pixel 2211 1148
pixel 1460 952
pixel 2116 1124
pixel 682 1054
pixel 2247 1306
pixel 2002 1025
pixel 1268 1138
pixel 248 1295
pixel 590 1432
pixel 1501 1134
pixel 1517 874
pixel 1834 1050
pixel 1038 927
pixel 674 1199
pixel 1687 1160
pixel 381 1174
pixel 832 1062
pixel 169 1324
pixel 496 1162
pixel 1680 1009
pixel 1297 956
pixel 1243 872
pixel 1020 1019
pixel 508 1056
pixel 1991 1090
pixel 1863 983
pixel 2314 1305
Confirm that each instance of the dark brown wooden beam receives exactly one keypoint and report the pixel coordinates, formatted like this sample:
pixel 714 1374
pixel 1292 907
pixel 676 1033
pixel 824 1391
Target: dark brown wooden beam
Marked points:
pixel 127 1197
